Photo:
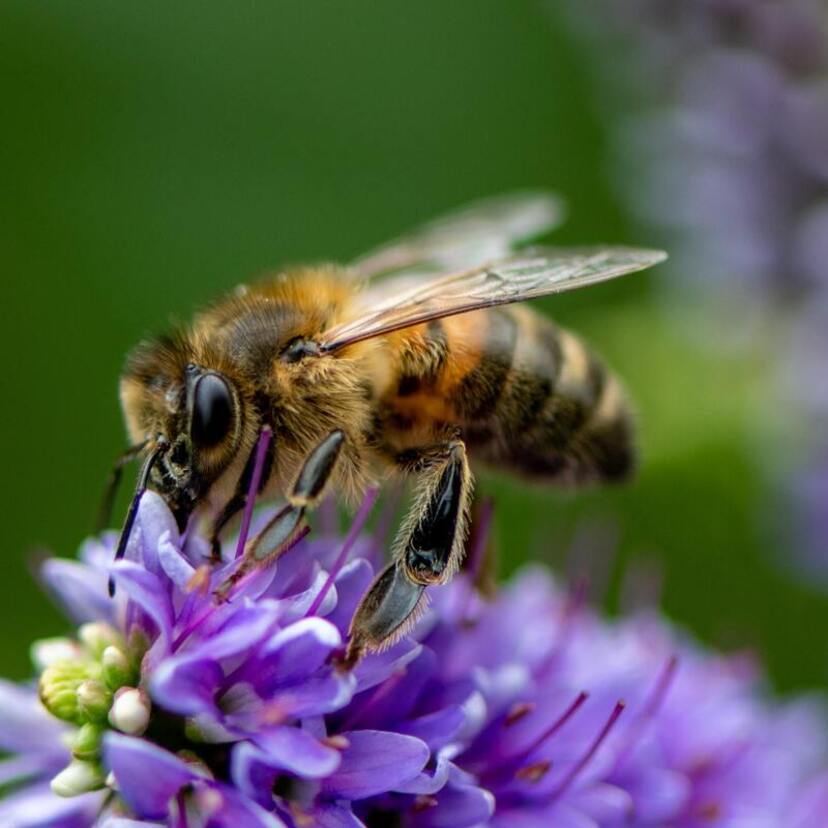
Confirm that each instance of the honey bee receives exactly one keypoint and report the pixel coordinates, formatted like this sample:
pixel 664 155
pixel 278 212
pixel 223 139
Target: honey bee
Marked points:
pixel 410 362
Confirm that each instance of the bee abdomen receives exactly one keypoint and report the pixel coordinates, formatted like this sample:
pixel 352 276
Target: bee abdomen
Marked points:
pixel 562 415
pixel 478 395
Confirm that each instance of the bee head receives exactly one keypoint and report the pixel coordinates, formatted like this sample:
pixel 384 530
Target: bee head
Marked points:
pixel 192 409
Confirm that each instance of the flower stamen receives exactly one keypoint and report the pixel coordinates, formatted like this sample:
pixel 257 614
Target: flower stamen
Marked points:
pixel 255 479
pixel 535 772
pixel 649 710
pixel 357 526
pixel 579 766
pixel 518 711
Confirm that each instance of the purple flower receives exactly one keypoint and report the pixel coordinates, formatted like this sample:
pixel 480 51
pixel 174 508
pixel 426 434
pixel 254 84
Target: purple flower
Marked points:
pixel 529 710
pixel 589 723
pixel 725 142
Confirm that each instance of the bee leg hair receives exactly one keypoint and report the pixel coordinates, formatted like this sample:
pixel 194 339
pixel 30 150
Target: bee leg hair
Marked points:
pixel 388 609
pixel 435 532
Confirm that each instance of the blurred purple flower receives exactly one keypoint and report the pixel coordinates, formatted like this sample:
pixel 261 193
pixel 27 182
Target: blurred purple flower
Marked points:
pixel 724 141
pixel 524 711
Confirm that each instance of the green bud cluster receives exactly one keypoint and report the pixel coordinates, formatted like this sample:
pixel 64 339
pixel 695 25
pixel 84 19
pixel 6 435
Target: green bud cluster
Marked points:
pixel 90 683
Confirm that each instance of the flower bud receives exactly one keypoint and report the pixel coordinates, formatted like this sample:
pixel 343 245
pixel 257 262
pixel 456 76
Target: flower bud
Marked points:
pixel 117 670
pixel 58 688
pixel 94 701
pixel 48 651
pixel 86 743
pixel 97 636
pixel 78 777
pixel 130 711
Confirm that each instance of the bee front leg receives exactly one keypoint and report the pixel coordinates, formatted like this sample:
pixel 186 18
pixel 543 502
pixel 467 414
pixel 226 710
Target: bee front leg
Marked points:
pixel 430 550
pixel 281 529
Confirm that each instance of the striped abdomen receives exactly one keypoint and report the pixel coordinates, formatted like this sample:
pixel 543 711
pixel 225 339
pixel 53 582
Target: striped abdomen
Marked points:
pixel 526 396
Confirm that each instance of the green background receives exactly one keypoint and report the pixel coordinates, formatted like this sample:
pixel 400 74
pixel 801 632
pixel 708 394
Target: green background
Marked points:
pixel 155 154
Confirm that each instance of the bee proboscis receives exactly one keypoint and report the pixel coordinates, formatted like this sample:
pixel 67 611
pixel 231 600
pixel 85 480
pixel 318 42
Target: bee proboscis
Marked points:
pixel 410 362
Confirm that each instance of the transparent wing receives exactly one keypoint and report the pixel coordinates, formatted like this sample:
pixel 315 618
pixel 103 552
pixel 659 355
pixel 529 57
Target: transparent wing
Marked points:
pixel 482 231
pixel 540 273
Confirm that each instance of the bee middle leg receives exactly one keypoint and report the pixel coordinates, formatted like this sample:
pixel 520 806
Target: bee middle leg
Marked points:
pixel 429 551
pixel 280 530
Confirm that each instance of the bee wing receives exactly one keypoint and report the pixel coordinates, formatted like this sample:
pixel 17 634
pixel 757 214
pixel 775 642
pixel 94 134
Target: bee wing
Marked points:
pixel 541 273
pixel 482 231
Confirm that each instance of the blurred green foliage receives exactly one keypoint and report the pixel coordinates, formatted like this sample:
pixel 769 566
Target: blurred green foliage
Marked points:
pixel 155 154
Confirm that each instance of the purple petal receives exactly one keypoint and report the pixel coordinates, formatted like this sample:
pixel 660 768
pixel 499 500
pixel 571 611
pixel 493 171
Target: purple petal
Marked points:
pixel 297 606
pixel 378 667
pixel 20 768
pixel 300 649
pixel 38 807
pixel 350 585
pixel 541 818
pixel 236 630
pixel 149 592
pixel 246 708
pixel 174 565
pixel 295 750
pixel 255 585
pixel 606 804
pixel 97 552
pixel 317 695
pixel 24 724
pixel 255 767
pixel 297 568
pixel 660 795
pixel 220 806
pixel 80 591
pixel 437 729
pixel 375 762
pixel 395 699
pixel 154 522
pixel 251 775
pixel 334 816
pixel 148 776
pixel 187 686
pixel 459 807
pixel 429 782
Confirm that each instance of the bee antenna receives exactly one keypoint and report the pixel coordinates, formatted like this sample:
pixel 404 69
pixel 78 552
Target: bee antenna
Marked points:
pixel 161 447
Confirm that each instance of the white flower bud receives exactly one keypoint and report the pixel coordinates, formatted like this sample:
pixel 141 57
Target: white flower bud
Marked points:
pixel 76 778
pixel 130 711
pixel 93 700
pixel 49 651
pixel 97 636
pixel 117 670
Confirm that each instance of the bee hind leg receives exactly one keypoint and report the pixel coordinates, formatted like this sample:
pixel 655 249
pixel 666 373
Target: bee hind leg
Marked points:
pixel 430 551
pixel 282 529
pixel 386 612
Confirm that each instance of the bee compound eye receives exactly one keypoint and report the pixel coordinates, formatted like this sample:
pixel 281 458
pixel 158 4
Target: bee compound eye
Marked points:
pixel 212 415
